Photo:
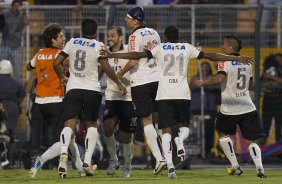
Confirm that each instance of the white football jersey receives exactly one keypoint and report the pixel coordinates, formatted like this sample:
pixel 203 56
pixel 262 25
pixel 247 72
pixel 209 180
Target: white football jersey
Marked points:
pixel 112 91
pixel 83 56
pixel 173 59
pixel 235 98
pixel 145 71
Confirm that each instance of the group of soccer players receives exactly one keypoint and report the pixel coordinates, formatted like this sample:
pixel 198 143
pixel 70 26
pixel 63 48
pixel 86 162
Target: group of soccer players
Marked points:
pixel 135 81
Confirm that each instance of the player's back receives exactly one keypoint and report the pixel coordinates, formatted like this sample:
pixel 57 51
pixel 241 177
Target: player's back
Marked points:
pixel 145 71
pixel 83 58
pixel 235 89
pixel 173 59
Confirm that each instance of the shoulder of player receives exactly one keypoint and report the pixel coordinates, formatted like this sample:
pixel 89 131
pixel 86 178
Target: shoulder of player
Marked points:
pixel 48 51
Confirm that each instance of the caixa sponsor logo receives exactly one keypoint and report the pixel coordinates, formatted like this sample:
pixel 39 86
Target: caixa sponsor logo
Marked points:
pixel 173 47
pixel 84 43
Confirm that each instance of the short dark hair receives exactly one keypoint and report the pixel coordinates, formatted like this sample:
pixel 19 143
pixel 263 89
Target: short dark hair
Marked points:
pixel 237 45
pixel 119 30
pixel 88 27
pixel 172 34
pixel 16 1
pixel 51 32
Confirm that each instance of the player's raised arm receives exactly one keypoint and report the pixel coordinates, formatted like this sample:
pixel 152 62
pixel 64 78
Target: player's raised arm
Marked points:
pixel 223 57
pixel 111 74
pixel 214 80
pixel 127 55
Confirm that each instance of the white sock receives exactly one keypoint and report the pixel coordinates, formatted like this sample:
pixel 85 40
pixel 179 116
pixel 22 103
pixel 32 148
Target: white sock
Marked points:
pixel 167 149
pixel 65 139
pixel 183 133
pixel 128 154
pixel 90 143
pixel 227 146
pixel 255 153
pixel 151 136
pixel 51 153
pixel 111 147
pixel 75 156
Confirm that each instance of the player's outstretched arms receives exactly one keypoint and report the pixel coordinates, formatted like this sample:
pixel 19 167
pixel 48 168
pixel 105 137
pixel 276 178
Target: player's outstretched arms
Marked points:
pixel 57 65
pixel 127 55
pixel 217 79
pixel 223 57
pixel 111 74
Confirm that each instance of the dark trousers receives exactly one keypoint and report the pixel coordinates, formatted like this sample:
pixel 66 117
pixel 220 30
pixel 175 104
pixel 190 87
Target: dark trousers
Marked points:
pixel 272 108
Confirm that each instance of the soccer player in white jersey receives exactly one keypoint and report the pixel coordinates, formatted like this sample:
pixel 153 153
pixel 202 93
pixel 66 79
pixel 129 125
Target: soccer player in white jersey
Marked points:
pixel 237 107
pixel 83 89
pixel 173 93
pixel 144 79
pixel 119 110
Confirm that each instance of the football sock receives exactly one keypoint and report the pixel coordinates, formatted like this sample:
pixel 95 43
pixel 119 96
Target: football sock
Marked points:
pixel 167 149
pixel 51 153
pixel 65 139
pixel 151 136
pixel 111 147
pixel 183 133
pixel 255 153
pixel 128 154
pixel 75 156
pixel 227 147
pixel 90 143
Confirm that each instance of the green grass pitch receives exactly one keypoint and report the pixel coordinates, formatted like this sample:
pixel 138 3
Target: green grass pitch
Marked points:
pixel 142 177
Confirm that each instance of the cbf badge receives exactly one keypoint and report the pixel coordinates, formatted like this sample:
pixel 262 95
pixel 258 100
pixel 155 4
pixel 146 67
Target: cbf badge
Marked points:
pixel 116 60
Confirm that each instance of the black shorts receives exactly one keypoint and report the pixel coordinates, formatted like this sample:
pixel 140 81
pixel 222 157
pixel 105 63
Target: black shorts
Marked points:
pixel 124 111
pixel 52 115
pixel 172 112
pixel 82 101
pixel 143 98
pixel 249 124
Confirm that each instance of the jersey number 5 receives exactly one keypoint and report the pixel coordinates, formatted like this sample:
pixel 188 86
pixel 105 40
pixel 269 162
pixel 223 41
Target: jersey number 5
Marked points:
pixel 241 78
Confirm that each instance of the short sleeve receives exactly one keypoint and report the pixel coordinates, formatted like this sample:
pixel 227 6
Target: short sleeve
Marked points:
pixel 33 61
pixel 194 52
pixel 155 50
pixel 222 68
pixel 101 46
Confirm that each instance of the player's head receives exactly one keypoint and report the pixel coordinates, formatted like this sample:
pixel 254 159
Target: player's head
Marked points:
pixel 231 44
pixel 115 37
pixel 171 34
pixel 135 17
pixel 89 28
pixel 53 36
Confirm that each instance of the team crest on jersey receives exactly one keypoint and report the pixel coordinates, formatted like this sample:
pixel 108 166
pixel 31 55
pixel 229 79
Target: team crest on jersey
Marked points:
pixel 220 65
